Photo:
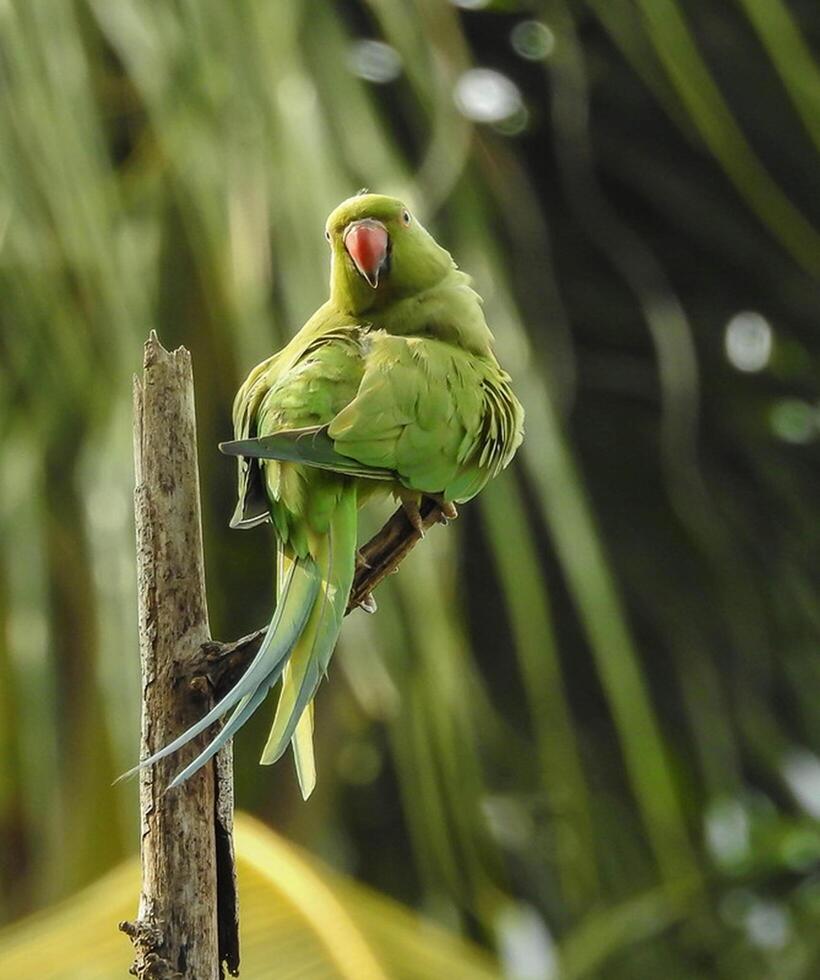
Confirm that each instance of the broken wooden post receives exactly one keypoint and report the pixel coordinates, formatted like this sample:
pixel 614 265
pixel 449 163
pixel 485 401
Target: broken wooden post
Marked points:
pixel 187 922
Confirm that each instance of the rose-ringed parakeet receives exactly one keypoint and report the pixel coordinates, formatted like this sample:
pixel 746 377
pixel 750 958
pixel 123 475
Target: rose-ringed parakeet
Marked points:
pixel 391 387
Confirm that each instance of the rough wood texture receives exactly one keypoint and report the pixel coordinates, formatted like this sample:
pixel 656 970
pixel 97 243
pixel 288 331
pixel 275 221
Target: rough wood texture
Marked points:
pixel 187 925
pixel 224 663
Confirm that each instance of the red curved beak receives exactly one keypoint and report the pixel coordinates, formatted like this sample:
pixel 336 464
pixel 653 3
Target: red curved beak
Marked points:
pixel 366 242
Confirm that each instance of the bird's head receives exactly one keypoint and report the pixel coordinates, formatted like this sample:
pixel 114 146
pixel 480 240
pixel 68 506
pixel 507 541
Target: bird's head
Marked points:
pixel 380 253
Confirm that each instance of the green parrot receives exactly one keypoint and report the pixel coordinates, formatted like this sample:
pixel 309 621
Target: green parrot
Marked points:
pixel 390 388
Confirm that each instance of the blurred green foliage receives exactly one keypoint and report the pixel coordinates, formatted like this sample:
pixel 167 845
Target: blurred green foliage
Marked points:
pixel 584 725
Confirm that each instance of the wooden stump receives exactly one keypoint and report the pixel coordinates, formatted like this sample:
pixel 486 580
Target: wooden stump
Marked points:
pixel 187 924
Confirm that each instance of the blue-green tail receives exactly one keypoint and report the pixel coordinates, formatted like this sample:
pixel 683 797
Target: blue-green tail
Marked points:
pixel 312 598
pixel 335 556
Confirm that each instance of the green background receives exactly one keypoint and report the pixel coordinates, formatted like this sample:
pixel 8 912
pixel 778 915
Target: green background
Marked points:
pixel 583 726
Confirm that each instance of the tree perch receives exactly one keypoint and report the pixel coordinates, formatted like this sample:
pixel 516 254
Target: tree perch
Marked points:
pixel 187 923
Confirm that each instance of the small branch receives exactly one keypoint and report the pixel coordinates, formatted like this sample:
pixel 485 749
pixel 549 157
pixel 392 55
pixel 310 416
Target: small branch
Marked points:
pixel 385 551
pixel 224 663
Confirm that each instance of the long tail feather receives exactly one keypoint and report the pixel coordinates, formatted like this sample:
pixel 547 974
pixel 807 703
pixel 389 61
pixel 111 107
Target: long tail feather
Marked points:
pixel 335 558
pixel 292 612
pixel 302 743
pixel 241 714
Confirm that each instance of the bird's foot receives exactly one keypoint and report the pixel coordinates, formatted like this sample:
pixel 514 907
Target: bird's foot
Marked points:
pixel 361 561
pixel 449 511
pixel 410 505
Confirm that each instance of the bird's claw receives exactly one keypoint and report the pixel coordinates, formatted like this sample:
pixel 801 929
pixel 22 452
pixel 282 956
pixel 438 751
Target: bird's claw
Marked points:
pixel 447 509
pixel 368 603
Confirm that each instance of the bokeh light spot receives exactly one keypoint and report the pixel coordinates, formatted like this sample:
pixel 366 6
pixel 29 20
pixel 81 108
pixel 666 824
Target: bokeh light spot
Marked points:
pixel 793 420
pixel 532 40
pixel 526 946
pixel 727 831
pixel 801 771
pixel 374 61
pixel 509 823
pixel 768 925
pixel 487 96
pixel 748 341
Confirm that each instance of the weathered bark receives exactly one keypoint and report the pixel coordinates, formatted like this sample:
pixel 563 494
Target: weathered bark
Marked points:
pixel 224 663
pixel 187 924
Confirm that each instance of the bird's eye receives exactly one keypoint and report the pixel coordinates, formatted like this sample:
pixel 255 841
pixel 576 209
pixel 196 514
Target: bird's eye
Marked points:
pixel 327 235
pixel 405 217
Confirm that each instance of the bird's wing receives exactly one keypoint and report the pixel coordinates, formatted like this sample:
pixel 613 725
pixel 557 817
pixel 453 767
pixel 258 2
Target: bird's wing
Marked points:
pixel 416 410
pixel 308 393
pixel 312 377
pixel 310 445
pixel 252 503
pixel 445 420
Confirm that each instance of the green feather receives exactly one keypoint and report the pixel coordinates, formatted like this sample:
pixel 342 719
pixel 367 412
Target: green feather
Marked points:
pixel 311 446
pixel 335 563
pixel 443 419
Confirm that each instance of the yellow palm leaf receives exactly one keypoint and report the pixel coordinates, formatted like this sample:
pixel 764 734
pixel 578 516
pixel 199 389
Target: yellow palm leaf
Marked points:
pixel 299 919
